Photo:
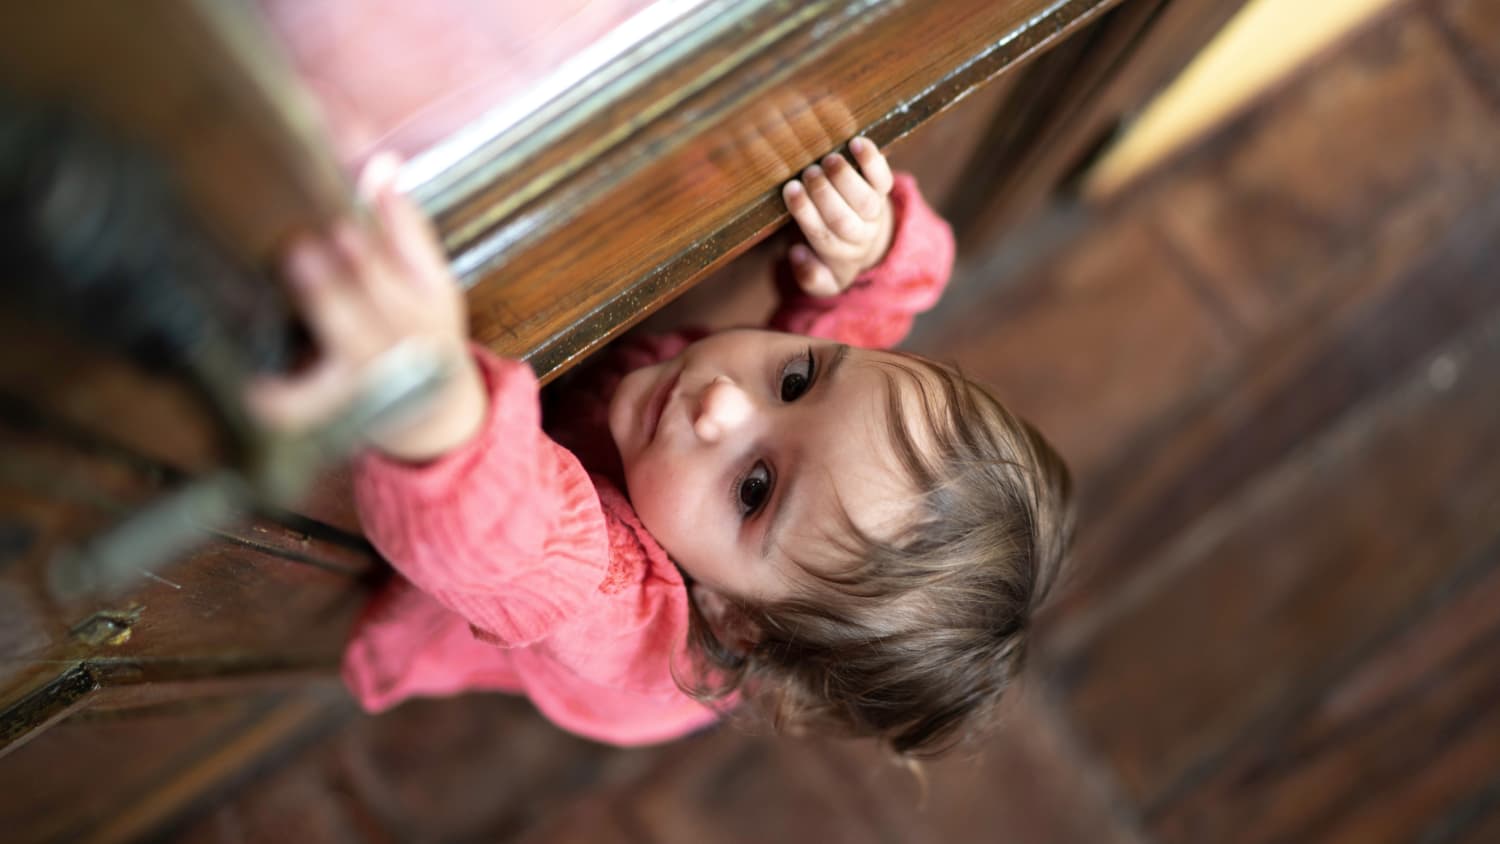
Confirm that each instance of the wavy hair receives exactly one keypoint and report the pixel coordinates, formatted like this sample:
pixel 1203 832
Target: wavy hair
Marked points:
pixel 914 639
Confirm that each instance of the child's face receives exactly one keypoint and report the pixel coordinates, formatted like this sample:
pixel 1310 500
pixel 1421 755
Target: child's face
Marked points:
pixel 752 444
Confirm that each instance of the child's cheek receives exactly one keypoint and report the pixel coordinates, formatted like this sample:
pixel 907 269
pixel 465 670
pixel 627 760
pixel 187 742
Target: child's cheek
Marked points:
pixel 664 500
pixel 622 412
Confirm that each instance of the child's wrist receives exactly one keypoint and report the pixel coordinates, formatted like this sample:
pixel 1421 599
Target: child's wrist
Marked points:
pixel 451 419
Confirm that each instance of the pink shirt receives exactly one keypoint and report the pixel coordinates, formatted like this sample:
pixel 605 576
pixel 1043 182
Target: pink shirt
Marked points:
pixel 521 565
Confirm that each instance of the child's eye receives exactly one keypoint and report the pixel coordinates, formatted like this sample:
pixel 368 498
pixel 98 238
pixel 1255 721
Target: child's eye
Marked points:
pixel 797 376
pixel 752 489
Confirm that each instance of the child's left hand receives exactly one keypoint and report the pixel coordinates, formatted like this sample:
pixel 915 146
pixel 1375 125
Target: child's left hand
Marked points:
pixel 846 216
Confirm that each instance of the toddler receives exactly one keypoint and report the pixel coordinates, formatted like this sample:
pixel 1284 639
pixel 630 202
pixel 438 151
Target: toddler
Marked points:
pixel 790 521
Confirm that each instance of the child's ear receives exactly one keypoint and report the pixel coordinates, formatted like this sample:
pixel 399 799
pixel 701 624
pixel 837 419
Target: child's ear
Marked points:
pixel 730 625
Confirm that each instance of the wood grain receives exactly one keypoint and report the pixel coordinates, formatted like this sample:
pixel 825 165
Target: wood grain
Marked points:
pixel 1309 268
pixel 254 603
pixel 1074 100
pixel 622 230
pixel 1274 621
pixel 1398 747
pixel 202 86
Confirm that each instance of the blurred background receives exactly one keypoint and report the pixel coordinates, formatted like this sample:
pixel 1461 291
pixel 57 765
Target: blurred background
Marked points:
pixel 1257 310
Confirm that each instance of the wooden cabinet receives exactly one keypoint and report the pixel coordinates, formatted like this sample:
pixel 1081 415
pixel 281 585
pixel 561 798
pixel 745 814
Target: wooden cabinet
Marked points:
pixel 570 221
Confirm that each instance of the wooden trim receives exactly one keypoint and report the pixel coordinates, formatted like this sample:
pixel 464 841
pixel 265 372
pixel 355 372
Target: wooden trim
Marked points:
pixel 880 68
pixel 200 83
pixel 29 716
pixel 1033 143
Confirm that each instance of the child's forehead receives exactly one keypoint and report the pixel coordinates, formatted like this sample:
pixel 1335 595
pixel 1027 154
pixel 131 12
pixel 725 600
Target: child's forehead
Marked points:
pixel 911 393
pixel 854 476
pixel 828 534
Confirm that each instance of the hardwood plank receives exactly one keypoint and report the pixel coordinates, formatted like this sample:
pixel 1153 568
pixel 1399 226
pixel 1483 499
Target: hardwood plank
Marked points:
pixel 1051 121
pixel 1400 745
pixel 50 770
pixel 296 804
pixel 1024 782
pixel 1442 749
pixel 1355 307
pixel 1480 825
pixel 1078 348
pixel 1304 377
pixel 54 493
pixel 1473 27
pixel 1266 600
pixel 590 821
pixel 239 590
pixel 488 767
pixel 722 785
pixel 1081 95
pixel 725 786
pixel 1298 186
pixel 478 767
pixel 113 779
pixel 1245 60
pixel 254 605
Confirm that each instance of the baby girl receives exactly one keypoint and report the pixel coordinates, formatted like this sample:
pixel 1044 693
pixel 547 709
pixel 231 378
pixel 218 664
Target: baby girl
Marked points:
pixel 793 521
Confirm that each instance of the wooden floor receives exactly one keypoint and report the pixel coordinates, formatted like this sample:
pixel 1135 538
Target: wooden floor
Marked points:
pixel 1275 367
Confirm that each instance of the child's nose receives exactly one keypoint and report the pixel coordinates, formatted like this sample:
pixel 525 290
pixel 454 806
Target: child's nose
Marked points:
pixel 722 407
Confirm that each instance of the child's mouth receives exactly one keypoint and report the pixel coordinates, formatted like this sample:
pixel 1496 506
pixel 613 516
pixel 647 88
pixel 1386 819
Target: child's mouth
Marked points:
pixel 658 403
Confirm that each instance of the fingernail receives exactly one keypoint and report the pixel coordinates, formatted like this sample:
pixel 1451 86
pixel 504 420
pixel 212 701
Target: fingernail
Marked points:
pixel 380 173
pixel 793 187
pixel 798 254
pixel 813 172
pixel 833 161
pixel 859 144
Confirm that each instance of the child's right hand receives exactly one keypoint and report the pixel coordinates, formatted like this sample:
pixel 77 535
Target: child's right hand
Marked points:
pixel 846 216
pixel 362 293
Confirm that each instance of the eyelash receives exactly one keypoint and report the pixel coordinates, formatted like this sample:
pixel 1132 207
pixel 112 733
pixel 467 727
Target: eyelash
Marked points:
pixel 812 372
pixel 753 475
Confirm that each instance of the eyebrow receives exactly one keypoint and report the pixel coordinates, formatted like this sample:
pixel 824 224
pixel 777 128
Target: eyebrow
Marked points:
pixel 779 511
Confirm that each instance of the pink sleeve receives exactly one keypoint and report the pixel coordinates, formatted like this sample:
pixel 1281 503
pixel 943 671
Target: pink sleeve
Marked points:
pixel 507 530
pixel 876 311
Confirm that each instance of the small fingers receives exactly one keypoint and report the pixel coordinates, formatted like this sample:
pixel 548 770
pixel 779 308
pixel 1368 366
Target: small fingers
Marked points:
pixel 873 164
pixel 407 234
pixel 355 253
pixel 832 207
pixel 379 173
pixel 298 403
pixel 411 240
pixel 857 192
pixel 331 303
pixel 811 274
pixel 808 218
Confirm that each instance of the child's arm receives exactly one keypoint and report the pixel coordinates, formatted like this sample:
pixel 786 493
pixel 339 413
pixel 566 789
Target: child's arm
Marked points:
pixel 876 254
pixel 468 498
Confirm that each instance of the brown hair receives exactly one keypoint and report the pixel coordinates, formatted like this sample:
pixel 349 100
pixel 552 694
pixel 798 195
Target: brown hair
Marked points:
pixel 915 640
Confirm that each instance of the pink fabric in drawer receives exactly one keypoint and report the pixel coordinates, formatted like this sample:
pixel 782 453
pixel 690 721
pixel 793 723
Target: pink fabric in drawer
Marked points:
pixel 401 75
